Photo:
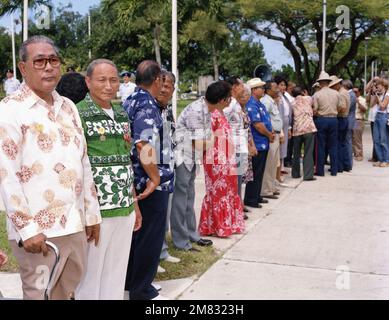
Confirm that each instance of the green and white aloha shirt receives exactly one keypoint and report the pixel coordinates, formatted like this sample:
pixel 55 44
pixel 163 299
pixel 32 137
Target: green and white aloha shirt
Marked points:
pixel 109 145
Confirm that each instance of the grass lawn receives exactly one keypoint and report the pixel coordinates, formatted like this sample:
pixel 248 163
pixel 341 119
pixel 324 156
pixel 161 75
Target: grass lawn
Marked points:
pixel 11 265
pixel 192 263
pixel 181 104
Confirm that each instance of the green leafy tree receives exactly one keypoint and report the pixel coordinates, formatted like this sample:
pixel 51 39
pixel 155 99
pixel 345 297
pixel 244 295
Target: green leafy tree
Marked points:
pixel 209 28
pixel 146 18
pixel 295 23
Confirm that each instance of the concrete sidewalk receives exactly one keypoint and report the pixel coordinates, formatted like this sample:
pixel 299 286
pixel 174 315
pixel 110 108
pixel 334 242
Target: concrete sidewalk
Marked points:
pixel 325 239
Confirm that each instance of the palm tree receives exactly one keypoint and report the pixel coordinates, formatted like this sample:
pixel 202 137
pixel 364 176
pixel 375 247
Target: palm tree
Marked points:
pixel 11 6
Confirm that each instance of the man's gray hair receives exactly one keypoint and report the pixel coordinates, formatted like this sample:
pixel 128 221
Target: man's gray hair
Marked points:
pixel 95 63
pixel 247 89
pixel 169 75
pixel 347 84
pixel 23 55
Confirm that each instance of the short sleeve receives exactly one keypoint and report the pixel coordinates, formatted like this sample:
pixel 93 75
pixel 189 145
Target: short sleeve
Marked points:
pixel 198 124
pixel 254 114
pixel 145 123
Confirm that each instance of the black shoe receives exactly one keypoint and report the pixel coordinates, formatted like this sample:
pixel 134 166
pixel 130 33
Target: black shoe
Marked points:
pixel 298 177
pixel 245 217
pixel 276 193
pixel 253 205
pixel 311 179
pixel 204 242
pixel 272 196
pixel 193 249
pixel 246 210
pixel 263 201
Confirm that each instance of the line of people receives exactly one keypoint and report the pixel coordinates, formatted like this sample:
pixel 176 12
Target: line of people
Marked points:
pixel 76 168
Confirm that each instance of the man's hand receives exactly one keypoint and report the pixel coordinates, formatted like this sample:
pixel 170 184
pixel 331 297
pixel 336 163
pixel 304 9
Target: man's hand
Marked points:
pixel 253 151
pixel 282 139
pixel 138 218
pixel 36 244
pixel 289 133
pixel 93 233
pixel 3 258
pixel 150 188
pixel 272 137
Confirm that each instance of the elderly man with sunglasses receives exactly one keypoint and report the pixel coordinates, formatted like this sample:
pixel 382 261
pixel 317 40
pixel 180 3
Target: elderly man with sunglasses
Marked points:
pixel 46 180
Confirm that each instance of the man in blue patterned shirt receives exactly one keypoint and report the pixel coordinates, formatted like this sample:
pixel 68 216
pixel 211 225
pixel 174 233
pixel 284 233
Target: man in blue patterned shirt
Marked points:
pixel 151 156
pixel 262 131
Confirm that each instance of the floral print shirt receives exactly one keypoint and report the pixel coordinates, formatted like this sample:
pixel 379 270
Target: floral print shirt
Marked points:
pixel 46 180
pixel 194 123
pixel 303 116
pixel 146 124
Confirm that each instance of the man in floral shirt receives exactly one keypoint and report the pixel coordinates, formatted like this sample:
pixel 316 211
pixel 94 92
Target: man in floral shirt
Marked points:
pixel 46 180
pixel 151 156
pixel 106 131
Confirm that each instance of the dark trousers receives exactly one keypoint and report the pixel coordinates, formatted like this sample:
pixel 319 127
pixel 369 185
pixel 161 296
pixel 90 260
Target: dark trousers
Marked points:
pixel 289 157
pixel 348 159
pixel 327 134
pixel 342 144
pixel 253 188
pixel 374 156
pixel 146 247
pixel 308 140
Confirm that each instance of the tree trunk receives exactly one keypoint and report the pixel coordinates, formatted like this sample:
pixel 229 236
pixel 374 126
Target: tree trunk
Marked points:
pixel 157 47
pixel 215 62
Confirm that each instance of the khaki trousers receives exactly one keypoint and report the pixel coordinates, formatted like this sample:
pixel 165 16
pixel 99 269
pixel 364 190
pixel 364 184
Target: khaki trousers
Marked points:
pixel 357 138
pixel 35 268
pixel 272 162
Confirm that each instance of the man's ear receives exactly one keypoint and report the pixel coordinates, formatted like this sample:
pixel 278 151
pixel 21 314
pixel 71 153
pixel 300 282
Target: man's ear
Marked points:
pixel 22 68
pixel 87 81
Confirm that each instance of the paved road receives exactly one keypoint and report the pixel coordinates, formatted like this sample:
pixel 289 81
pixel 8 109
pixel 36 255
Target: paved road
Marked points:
pixel 326 239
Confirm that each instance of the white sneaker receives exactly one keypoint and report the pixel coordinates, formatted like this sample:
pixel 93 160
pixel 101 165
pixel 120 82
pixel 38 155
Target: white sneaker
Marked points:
pixel 172 259
pixel 156 286
pixel 159 297
pixel 161 270
pixel 282 184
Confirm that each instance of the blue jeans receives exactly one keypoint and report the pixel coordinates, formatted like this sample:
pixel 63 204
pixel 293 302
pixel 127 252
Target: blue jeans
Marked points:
pixel 381 137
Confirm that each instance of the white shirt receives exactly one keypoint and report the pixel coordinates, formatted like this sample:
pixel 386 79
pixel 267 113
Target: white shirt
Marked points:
pixel 125 90
pixel 109 112
pixel 11 85
pixel 46 180
pixel 381 98
pixel 234 116
pixel 194 123
pixel 289 97
pixel 286 103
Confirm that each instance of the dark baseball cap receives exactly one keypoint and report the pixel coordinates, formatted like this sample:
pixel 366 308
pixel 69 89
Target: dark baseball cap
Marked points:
pixel 10 71
pixel 126 73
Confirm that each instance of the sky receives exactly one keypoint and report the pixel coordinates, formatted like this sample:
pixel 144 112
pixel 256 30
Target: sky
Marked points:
pixel 275 53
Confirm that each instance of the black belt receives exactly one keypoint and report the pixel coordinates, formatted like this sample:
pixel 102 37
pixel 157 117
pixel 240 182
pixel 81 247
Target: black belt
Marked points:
pixel 278 132
pixel 329 116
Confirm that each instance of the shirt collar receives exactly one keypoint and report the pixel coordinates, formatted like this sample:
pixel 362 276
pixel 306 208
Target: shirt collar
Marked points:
pixel 32 99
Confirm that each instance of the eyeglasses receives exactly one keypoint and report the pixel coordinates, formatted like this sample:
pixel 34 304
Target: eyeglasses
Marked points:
pixel 41 63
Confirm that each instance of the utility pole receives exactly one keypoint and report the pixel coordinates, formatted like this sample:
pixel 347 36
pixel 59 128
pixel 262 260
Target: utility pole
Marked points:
pixel 174 55
pixel 13 43
pixel 25 20
pixel 323 55
pixel 89 34
pixel 365 77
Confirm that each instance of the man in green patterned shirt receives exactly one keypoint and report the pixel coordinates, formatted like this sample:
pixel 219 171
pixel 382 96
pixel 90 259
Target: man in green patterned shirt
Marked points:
pixel 108 139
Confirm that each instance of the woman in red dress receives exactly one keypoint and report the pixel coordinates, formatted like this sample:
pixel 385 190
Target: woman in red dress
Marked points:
pixel 221 212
